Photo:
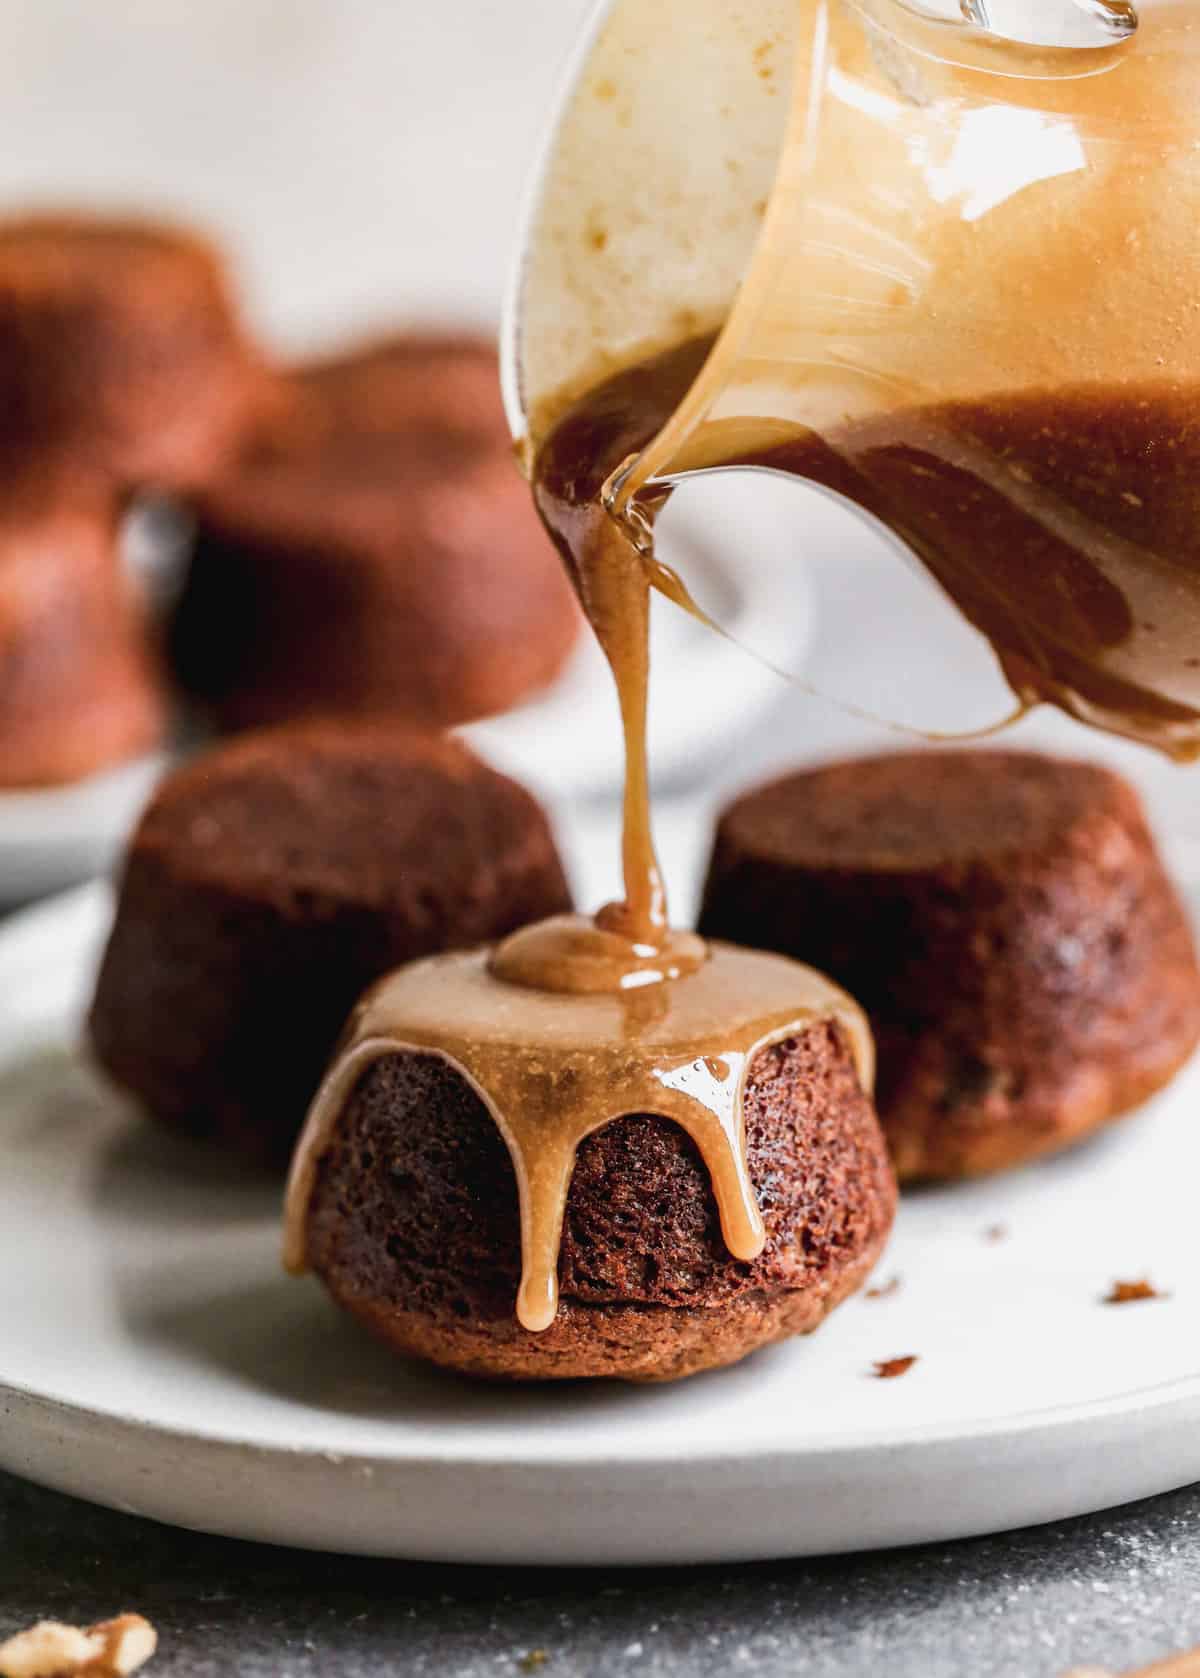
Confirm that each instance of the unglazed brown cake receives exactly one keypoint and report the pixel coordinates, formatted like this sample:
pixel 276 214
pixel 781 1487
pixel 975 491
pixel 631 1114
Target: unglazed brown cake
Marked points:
pixel 374 554
pixel 1005 920
pixel 413 1224
pixel 444 385
pixel 80 686
pixel 269 882
pixel 121 354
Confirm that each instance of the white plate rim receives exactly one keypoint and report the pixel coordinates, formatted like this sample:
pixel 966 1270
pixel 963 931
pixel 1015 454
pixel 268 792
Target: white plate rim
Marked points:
pixel 59 1441
pixel 1184 1391
pixel 90 903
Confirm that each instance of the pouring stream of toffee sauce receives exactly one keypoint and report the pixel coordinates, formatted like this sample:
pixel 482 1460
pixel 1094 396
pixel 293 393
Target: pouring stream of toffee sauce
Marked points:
pixel 572 1023
pixel 1066 527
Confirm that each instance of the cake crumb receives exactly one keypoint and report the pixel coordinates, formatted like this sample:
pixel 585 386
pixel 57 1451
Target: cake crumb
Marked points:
pixel 996 1233
pixel 891 1368
pixel 110 1649
pixel 886 1290
pixel 533 1660
pixel 1129 1293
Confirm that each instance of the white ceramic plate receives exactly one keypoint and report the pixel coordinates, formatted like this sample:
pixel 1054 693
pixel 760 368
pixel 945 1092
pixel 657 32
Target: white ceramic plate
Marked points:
pixel 53 837
pixel 154 1358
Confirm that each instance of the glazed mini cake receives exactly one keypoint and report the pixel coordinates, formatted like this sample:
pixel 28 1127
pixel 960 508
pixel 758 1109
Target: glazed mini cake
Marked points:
pixel 1026 964
pixel 404 1196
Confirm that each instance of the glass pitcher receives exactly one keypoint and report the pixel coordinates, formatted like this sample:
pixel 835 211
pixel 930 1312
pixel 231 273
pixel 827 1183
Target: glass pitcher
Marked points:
pixel 943 270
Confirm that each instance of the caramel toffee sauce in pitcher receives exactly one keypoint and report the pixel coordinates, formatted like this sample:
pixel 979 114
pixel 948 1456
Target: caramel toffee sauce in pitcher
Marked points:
pixel 1043 466
pixel 1064 524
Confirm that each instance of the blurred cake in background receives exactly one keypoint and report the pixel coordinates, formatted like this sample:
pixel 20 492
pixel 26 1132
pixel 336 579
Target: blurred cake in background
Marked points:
pixel 123 369
pixel 366 548
pixel 408 384
pixel 373 553
pixel 121 353
pixel 80 685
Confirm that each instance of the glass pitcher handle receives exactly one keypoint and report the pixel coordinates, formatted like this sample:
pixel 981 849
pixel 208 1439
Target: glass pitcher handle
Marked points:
pixel 1043 23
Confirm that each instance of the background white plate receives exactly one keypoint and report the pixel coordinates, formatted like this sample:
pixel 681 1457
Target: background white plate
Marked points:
pixel 154 1358
pixel 53 837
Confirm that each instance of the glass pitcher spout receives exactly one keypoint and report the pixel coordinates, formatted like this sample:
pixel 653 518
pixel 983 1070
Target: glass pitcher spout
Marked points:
pixel 1043 23
pixel 1064 23
pixel 1037 39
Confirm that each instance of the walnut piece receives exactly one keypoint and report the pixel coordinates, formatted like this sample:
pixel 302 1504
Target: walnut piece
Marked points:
pixel 111 1649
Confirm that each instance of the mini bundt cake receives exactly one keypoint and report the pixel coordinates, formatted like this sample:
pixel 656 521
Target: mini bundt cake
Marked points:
pixel 80 687
pixel 413 385
pixel 1005 920
pixel 120 352
pixel 269 882
pixel 413 1223
pixel 375 554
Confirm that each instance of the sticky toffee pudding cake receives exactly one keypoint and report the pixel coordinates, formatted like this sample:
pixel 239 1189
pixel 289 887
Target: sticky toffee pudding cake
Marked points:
pixel 269 882
pixel 121 353
pixel 80 686
pixel 419 385
pixel 374 554
pixel 408 1204
pixel 1005 920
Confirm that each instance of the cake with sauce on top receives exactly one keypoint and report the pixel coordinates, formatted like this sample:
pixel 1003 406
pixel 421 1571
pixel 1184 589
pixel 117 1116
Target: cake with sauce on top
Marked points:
pixel 525 1183
pixel 1026 963
pixel 414 1228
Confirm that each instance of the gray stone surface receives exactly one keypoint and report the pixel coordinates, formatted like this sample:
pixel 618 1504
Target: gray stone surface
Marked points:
pixel 1119 1589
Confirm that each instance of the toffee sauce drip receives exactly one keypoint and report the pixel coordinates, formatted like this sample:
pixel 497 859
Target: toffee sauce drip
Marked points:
pixel 551 1068
pixel 611 563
